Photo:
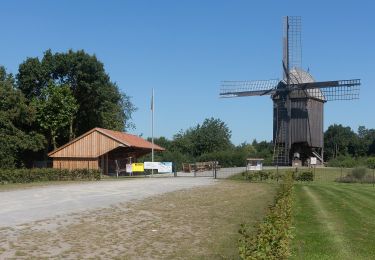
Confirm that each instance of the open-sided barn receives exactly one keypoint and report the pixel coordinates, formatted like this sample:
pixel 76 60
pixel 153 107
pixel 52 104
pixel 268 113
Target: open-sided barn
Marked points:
pixel 99 148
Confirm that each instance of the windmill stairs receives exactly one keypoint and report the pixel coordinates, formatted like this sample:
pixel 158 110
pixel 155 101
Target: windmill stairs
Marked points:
pixel 281 147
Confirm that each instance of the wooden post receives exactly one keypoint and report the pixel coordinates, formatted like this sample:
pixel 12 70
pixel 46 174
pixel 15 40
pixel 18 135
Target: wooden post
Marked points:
pixel 106 163
pixel 215 170
pixel 314 173
pixel 102 164
pixel 277 172
pixel 341 173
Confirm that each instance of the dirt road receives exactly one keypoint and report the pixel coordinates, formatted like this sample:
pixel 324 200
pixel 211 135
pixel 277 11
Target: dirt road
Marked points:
pixel 23 206
pixel 197 223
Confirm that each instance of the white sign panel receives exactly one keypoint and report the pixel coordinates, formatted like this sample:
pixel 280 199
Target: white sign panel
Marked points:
pixel 165 167
pixel 313 160
pixel 129 168
pixel 151 165
pixel 255 167
pixel 162 167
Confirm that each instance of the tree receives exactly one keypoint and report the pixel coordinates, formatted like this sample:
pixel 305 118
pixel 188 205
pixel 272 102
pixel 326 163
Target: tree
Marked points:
pixel 163 142
pixel 264 150
pixel 371 149
pixel 100 102
pixel 16 118
pixel 210 136
pixel 339 140
pixel 213 135
pixel 207 141
pixel 56 110
pixel 183 142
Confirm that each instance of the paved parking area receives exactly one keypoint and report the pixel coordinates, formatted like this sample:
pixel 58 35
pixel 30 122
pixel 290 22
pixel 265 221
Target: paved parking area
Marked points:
pixel 23 206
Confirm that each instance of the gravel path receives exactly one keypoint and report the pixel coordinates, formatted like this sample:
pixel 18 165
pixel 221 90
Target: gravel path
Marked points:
pixel 23 206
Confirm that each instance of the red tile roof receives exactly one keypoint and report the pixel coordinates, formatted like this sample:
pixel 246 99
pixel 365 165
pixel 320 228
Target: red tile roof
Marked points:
pixel 129 139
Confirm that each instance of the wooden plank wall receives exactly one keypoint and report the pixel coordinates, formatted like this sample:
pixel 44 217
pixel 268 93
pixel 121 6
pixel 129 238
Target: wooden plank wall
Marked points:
pixel 92 145
pixel 76 163
pixel 316 110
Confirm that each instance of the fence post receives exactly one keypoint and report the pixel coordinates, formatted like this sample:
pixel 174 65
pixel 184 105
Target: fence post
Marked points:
pixel 174 166
pixel 215 169
pixel 314 172
pixel 341 173
pixel 277 173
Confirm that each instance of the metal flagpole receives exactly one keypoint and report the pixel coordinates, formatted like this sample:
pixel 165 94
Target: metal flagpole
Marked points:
pixel 152 131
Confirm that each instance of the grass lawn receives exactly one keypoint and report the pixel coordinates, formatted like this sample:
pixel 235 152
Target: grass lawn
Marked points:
pixel 334 221
pixel 198 223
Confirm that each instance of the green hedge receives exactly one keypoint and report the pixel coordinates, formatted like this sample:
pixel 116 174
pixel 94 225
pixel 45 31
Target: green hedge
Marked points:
pixel 351 162
pixel 46 174
pixel 274 232
pixel 259 175
pixel 358 175
pixel 303 176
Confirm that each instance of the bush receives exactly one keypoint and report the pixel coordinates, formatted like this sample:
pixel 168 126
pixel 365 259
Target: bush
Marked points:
pixel 274 233
pixel 226 158
pixel 263 175
pixel 46 174
pixel 257 175
pixel 351 179
pixel 371 162
pixel 357 175
pixel 347 161
pixel 304 176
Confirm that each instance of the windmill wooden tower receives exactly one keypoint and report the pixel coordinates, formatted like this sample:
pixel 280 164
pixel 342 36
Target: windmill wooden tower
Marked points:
pixel 298 101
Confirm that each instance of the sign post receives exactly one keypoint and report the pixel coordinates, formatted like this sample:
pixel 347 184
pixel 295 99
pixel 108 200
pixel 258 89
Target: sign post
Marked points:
pixel 152 130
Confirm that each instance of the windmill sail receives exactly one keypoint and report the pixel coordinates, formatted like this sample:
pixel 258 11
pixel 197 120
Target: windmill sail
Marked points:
pixel 331 90
pixel 248 88
pixel 292 45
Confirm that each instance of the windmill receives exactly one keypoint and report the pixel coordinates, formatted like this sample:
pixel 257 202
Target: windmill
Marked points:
pixel 298 101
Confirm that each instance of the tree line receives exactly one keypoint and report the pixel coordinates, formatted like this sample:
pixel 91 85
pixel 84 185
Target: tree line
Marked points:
pixel 54 99
pixel 210 141
pixel 345 147
pixel 62 95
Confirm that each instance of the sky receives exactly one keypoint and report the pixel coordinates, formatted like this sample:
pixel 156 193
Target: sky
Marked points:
pixel 184 48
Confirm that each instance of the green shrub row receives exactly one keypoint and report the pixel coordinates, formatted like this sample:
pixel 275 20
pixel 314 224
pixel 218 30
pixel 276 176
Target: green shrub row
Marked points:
pixel 274 232
pixel 303 176
pixel 269 175
pixel 46 174
pixel 357 175
pixel 351 162
pixel 261 175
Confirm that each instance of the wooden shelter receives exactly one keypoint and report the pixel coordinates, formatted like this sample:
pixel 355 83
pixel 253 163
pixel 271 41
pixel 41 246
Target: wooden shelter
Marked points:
pixel 99 149
pixel 254 164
